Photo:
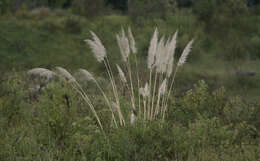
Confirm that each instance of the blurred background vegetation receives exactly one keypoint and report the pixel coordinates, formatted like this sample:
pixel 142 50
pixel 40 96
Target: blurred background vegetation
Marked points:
pixel 47 33
pixel 206 121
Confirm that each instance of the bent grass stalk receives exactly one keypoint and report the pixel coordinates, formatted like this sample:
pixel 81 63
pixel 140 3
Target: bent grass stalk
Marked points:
pixel 103 93
pixel 112 81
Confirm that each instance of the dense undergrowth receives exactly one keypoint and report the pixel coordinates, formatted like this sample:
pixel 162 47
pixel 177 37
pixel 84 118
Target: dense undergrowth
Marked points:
pixel 56 124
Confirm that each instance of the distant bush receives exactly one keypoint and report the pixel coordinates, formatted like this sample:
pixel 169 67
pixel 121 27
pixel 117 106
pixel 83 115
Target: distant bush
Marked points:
pixel 205 9
pixel 72 25
pixel 150 9
pixel 51 26
pixel 88 8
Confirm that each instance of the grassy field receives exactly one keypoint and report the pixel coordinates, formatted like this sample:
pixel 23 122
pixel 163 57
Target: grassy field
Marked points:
pixel 56 39
pixel 212 115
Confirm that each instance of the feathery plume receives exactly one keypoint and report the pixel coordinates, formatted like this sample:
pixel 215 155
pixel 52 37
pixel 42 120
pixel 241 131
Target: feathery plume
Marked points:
pixel 121 74
pixel 144 91
pixel 65 74
pixel 87 75
pixel 170 67
pixel 42 72
pixel 36 71
pixel 133 116
pixel 141 91
pixel 185 54
pixel 172 44
pixel 132 41
pixel 97 47
pixel 161 56
pixel 123 44
pixel 152 49
pixel 163 86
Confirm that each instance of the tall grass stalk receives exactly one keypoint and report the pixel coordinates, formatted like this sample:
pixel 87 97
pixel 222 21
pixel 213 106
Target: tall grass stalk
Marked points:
pixel 100 53
pixel 180 63
pixel 124 47
pixel 90 77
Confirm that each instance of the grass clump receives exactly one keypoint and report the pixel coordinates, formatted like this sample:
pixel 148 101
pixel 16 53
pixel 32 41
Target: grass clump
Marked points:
pixel 148 103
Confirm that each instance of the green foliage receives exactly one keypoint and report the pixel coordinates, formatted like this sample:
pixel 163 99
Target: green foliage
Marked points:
pixel 72 25
pixel 201 125
pixel 4 6
pixel 13 100
pixel 205 9
pixel 255 48
pixel 51 26
pixel 150 9
pixel 88 8
pixel 57 115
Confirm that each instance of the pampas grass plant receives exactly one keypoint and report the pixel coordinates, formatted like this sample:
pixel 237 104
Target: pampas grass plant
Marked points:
pixel 153 97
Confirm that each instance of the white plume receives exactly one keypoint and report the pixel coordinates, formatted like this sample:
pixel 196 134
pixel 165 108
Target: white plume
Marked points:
pixel 132 41
pixel 97 47
pixel 152 49
pixel 185 54
pixel 121 74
